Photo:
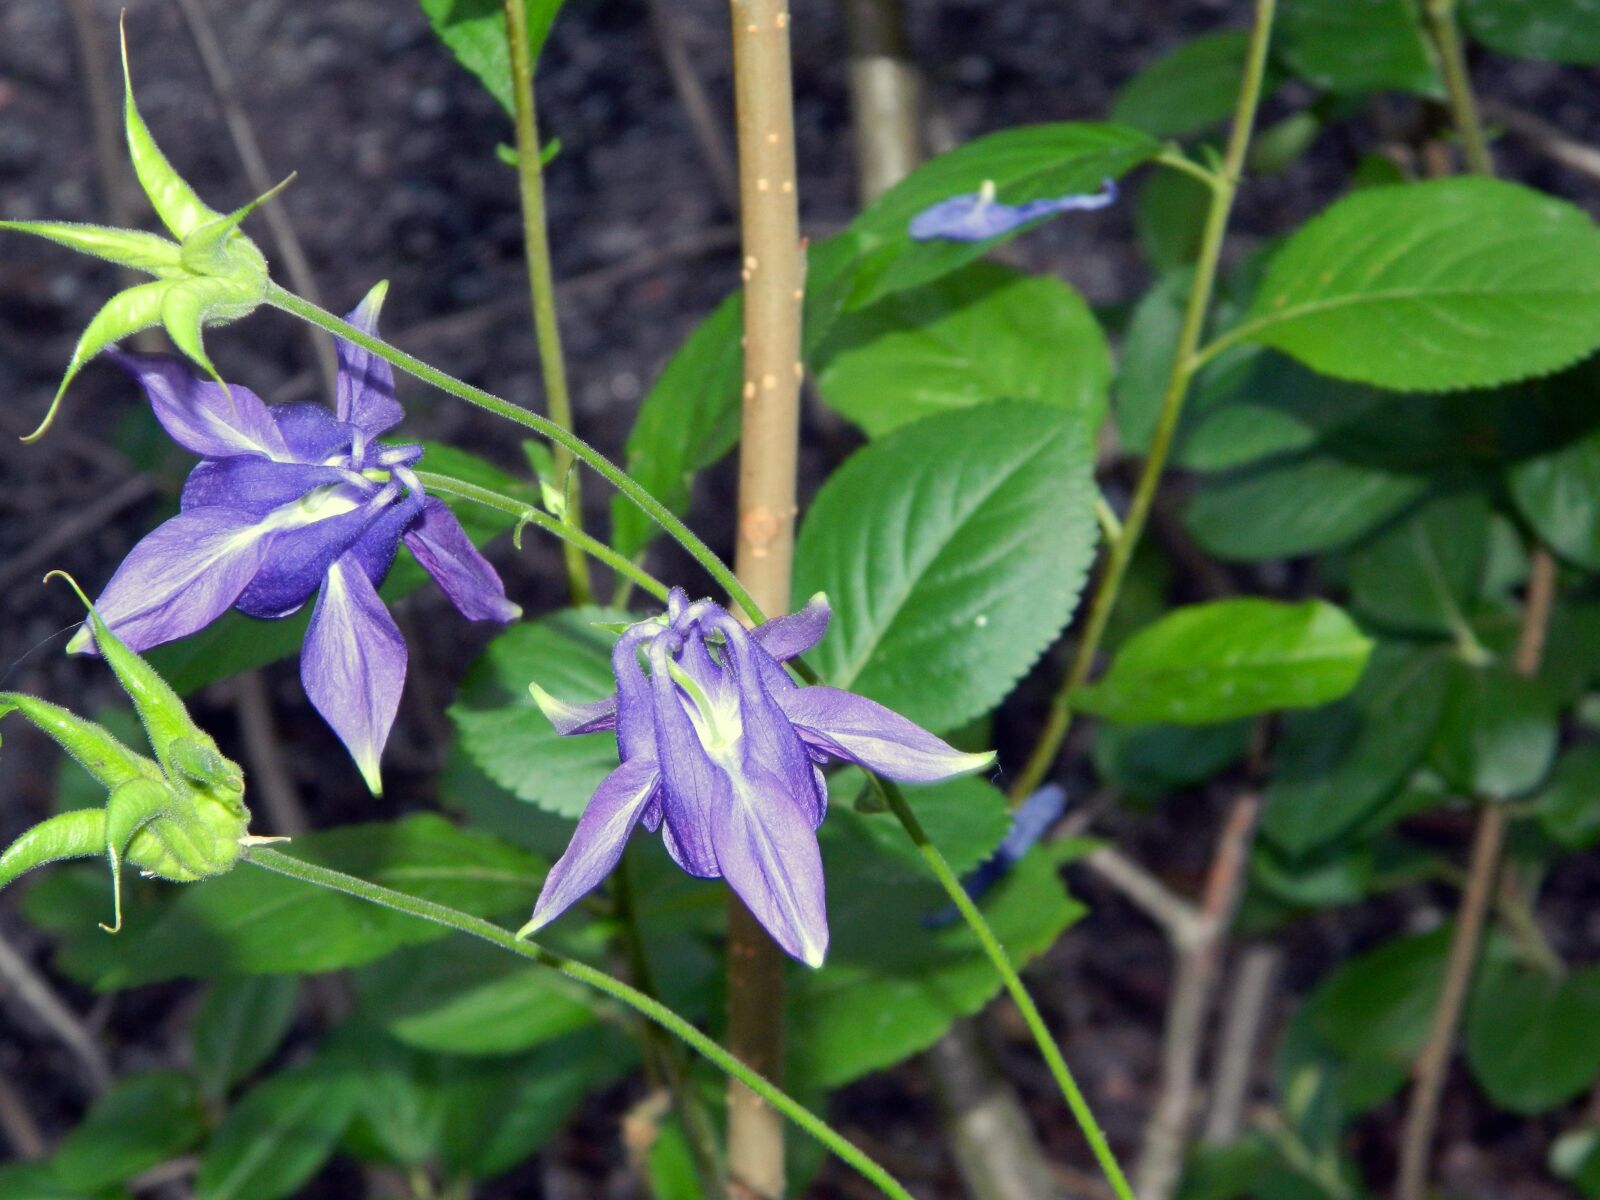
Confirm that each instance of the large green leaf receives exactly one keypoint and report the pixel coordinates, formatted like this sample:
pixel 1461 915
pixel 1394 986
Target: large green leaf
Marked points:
pixel 253 921
pixel 1357 45
pixel 953 552
pixel 892 984
pixel 502 729
pixel 1568 807
pixel 984 332
pixel 1150 761
pixel 1498 734
pixel 475 32
pixel 1188 89
pixel 1530 1034
pixel 143 1121
pixel 1454 283
pixel 1230 659
pixel 240 1023
pixel 965 817
pixel 278 1135
pixel 1559 493
pixel 1025 163
pixel 1377 1007
pixel 1560 30
pixel 1334 765
pixel 1424 574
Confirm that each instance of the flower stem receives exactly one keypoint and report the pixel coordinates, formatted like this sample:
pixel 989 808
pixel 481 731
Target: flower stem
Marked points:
pixel 1184 365
pixel 651 1009
pixel 1013 984
pixel 541 280
pixel 527 514
pixel 287 301
pixel 1446 35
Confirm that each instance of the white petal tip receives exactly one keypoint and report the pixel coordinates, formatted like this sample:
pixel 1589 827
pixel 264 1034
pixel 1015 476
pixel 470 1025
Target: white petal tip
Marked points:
pixel 82 642
pixel 532 927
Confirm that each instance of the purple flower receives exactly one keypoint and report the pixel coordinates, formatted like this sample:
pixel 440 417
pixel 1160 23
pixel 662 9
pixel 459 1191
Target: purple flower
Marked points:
pixel 720 750
pixel 978 216
pixel 292 500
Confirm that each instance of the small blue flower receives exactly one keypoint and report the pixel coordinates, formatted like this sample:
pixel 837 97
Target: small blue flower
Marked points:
pixel 291 500
pixel 720 750
pixel 978 216
pixel 1030 822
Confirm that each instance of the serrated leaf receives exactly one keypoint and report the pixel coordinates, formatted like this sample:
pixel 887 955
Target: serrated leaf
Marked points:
pixel 502 729
pixel 240 1023
pixel 1498 734
pixel 982 333
pixel 1530 1035
pixel 1565 31
pixel 475 32
pixel 278 1135
pixel 1230 659
pixel 1453 283
pixel 1188 89
pixel 1557 493
pixel 967 818
pixel 1424 574
pixel 953 552
pixel 143 1121
pixel 1357 45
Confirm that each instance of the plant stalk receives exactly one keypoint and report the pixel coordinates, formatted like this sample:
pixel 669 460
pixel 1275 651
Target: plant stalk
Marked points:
pixel 774 281
pixel 651 1009
pixel 1226 186
pixel 1446 35
pixel 541 279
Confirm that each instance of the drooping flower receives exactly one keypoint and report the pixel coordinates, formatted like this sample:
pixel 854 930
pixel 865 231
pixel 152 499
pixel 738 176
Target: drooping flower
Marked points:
pixel 721 750
pixel 978 216
pixel 291 500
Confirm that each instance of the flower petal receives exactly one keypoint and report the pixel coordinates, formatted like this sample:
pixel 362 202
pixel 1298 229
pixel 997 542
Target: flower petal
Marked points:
pixel 353 665
pixel 768 741
pixel 181 576
pixel 863 731
pixel 202 416
pixel 691 783
pixel 312 433
pixel 365 394
pixel 252 484
pixel 380 541
pixel 307 543
pixel 978 216
pixel 596 717
pixel 636 728
pixel 447 553
pixel 599 840
pixel 789 636
pixel 767 851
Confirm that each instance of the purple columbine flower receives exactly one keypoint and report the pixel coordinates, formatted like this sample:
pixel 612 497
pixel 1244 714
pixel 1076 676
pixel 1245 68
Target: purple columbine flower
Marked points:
pixel 290 500
pixel 978 216
pixel 720 750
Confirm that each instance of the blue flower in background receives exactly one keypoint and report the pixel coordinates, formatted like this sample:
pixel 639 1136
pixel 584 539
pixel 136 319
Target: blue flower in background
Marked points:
pixel 291 500
pixel 978 216
pixel 720 750
pixel 1030 822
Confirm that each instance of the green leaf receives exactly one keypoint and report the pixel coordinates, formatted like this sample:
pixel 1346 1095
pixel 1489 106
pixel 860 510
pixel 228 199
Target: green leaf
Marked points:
pixel 502 729
pixel 1378 1006
pixel 891 985
pixel 1189 89
pixel 1025 163
pixel 141 1123
pixel 1152 761
pixel 1568 807
pixel 953 552
pixel 1558 493
pixel 241 1022
pixel 1146 357
pixel 1453 283
pixel 464 996
pixel 984 332
pixel 1530 1035
pixel 475 32
pixel 1298 505
pixel 1559 30
pixel 252 921
pixel 1230 659
pixel 967 818
pixel 278 1135
pixel 1357 45
pixel 1424 574
pixel 1334 765
pixel 1498 734
pixel 1169 218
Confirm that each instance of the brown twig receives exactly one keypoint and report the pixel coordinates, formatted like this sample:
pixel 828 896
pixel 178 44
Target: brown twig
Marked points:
pixel 269 774
pixel 885 96
pixel 34 993
pixel 692 94
pixel 768 446
pixel 1244 1013
pixel 1548 139
pixel 18 1125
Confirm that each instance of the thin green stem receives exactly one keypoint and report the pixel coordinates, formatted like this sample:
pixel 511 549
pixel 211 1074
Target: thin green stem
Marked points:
pixel 651 1009
pixel 1446 35
pixel 1013 984
pixel 541 279
pixel 527 514
pixel 1120 555
pixel 286 301
pixel 1175 158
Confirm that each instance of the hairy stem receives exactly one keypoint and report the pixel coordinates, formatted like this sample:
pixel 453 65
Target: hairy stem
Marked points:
pixel 769 438
pixel 530 515
pixel 1446 36
pixel 294 305
pixel 541 280
pixel 1225 187
pixel 652 1010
